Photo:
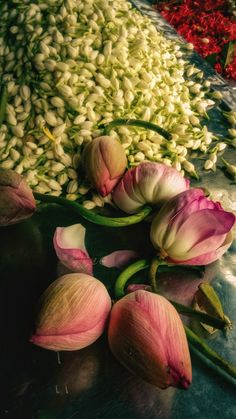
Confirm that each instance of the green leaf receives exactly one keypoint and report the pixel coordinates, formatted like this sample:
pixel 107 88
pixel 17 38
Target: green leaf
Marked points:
pixel 228 53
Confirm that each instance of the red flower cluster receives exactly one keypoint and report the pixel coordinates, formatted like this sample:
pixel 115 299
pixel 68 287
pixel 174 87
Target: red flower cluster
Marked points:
pixel 207 25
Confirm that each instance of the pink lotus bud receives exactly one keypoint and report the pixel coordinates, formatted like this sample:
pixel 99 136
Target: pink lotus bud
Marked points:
pixel 191 229
pixel 147 336
pixel 148 183
pixel 105 162
pixel 73 313
pixel 16 198
pixel 70 248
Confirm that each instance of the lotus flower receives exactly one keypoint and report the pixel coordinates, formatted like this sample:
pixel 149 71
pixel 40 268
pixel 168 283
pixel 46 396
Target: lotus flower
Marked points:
pixel 16 198
pixel 148 183
pixel 70 248
pixel 191 229
pixel 147 336
pixel 104 160
pixel 73 313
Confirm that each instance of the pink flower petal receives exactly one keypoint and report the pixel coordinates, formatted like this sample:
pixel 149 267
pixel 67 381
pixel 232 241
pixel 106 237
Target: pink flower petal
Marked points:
pixel 119 258
pixel 70 248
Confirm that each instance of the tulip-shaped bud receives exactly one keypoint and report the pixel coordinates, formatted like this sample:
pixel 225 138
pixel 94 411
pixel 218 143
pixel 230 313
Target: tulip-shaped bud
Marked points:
pixel 70 248
pixel 73 313
pixel 104 160
pixel 147 336
pixel 16 198
pixel 191 229
pixel 152 183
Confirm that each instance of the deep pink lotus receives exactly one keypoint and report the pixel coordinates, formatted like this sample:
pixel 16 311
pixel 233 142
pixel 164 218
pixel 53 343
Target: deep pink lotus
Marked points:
pixel 16 198
pixel 73 313
pixel 191 229
pixel 147 336
pixel 148 183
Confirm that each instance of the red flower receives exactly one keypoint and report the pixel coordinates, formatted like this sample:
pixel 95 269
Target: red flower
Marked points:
pixel 218 67
pixel 207 25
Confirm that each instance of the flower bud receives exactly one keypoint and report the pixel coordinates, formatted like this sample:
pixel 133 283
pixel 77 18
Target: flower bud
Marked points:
pixel 190 229
pixel 73 313
pixel 16 198
pixel 148 183
pixel 70 248
pixel 105 162
pixel 147 336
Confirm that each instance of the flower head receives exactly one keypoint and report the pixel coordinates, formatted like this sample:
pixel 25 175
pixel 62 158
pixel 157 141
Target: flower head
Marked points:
pixel 73 313
pixel 191 229
pixel 105 161
pixel 151 183
pixel 16 198
pixel 147 336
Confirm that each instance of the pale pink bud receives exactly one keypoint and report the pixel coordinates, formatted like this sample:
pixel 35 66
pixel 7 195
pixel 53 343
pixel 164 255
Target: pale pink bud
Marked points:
pixel 104 160
pixel 191 229
pixel 16 198
pixel 148 183
pixel 73 313
pixel 69 245
pixel 147 336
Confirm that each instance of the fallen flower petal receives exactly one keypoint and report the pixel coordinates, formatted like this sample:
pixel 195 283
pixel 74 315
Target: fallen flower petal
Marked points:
pixel 70 248
pixel 147 336
pixel 119 258
pixel 73 313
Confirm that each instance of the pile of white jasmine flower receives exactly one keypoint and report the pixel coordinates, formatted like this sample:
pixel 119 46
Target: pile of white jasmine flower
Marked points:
pixel 71 65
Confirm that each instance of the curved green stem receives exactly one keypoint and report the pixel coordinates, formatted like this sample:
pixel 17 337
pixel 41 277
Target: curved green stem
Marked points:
pixel 182 309
pixel 202 349
pixel 93 217
pixel 152 273
pixel 138 123
pixel 126 274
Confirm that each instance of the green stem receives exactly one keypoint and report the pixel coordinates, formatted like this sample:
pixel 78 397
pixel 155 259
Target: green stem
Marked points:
pixel 126 274
pixel 138 123
pixel 200 346
pixel 200 316
pixel 93 217
pixel 152 273
pixel 3 103
pixel 182 309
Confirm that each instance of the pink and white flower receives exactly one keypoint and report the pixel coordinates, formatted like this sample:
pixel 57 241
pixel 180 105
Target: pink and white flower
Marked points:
pixel 191 229
pixel 148 183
